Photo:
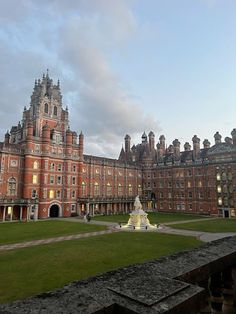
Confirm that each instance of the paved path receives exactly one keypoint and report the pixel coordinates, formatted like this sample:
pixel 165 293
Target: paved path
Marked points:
pixel 8 247
pixel 164 228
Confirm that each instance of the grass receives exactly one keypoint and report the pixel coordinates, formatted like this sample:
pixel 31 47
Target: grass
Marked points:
pixel 27 272
pixel 153 217
pixel 217 225
pixel 27 231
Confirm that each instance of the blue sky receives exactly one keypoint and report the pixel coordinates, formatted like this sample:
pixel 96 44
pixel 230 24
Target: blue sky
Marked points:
pixel 125 66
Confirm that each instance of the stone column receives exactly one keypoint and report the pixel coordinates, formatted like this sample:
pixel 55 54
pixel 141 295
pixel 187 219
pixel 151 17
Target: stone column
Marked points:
pixel 20 213
pixel 215 289
pixel 12 207
pixel 36 213
pixel 228 292
pixel 93 210
pixel 87 208
pixel 4 213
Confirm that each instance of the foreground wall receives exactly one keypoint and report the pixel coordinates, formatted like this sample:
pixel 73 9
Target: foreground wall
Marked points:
pixel 196 281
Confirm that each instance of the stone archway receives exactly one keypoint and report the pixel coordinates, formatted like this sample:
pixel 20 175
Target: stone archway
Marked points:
pixel 54 211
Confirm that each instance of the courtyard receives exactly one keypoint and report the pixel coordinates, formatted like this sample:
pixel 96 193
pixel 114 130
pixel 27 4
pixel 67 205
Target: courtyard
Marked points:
pixel 29 271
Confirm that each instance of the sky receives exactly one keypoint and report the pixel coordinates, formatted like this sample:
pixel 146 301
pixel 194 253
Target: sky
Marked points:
pixel 125 66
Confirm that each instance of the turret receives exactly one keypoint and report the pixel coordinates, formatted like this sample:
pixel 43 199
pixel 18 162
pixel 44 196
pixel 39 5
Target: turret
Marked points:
pixel 162 141
pixel 127 143
pixel 196 147
pixel 81 145
pixel 170 149
pixel 233 133
pixel 217 137
pixel 74 137
pixel 160 151
pixel 30 130
pixel 69 137
pixel 187 146
pixel 46 133
pixel 7 138
pixel 151 137
pixel 206 143
pixel 176 145
pixel 144 138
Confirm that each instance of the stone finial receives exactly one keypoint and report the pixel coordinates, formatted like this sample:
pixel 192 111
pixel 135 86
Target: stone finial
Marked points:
pixel 195 139
pixel 187 146
pixel 176 143
pixel 228 140
pixel 233 133
pixel 151 134
pixel 217 137
pixel 127 137
pixel 206 143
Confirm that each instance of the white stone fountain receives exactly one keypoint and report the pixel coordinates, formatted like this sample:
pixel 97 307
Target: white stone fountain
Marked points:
pixel 138 218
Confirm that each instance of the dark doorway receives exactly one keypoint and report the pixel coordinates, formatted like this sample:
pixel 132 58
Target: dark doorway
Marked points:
pixel 226 214
pixel 54 211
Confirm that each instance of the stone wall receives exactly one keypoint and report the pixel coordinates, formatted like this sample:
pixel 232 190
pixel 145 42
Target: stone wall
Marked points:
pixel 194 281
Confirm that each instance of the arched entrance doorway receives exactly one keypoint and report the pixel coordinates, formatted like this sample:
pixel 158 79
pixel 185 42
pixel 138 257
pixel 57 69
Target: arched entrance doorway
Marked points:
pixel 54 211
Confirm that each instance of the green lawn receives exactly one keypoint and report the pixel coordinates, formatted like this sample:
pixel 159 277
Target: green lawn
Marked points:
pixel 218 225
pixel 27 272
pixel 153 217
pixel 26 231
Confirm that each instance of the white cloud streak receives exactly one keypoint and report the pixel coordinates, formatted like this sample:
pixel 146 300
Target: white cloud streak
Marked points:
pixel 75 40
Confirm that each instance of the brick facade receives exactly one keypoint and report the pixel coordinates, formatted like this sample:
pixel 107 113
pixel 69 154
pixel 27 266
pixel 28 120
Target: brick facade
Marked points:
pixel 45 173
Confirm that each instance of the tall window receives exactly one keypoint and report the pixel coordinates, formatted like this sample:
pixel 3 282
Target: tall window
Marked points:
pixel 55 110
pixel 12 186
pixel 51 194
pixel 96 189
pixel 35 165
pixel 119 189
pixel 46 108
pixel 130 190
pixel 108 188
pixel 83 188
pixel 35 179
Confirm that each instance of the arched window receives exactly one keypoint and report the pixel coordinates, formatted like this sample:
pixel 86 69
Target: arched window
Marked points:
pixel 108 189
pixel 46 108
pixel 12 186
pixel 55 110
pixel 35 165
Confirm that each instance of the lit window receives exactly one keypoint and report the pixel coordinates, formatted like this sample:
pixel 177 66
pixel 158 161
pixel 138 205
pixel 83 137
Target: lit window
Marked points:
pixel 189 184
pixel 200 184
pixel 97 171
pixel 219 189
pixel 130 190
pixel 218 177
pixel 35 165
pixel 220 201
pixel 108 188
pixel 35 178
pixel 83 188
pixel 51 194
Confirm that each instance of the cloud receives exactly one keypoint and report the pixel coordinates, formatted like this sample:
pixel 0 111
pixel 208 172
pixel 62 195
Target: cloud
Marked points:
pixel 75 39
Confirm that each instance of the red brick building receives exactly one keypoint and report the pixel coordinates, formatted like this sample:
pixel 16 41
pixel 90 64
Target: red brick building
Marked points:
pixel 45 173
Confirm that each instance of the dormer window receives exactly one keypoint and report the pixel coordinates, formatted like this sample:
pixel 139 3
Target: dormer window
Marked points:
pixel 55 110
pixel 46 108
